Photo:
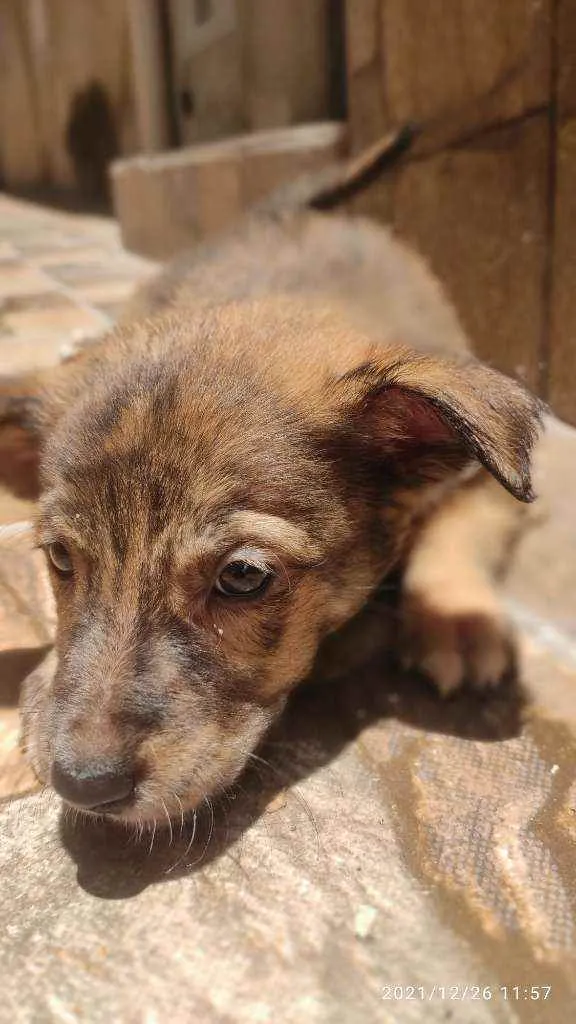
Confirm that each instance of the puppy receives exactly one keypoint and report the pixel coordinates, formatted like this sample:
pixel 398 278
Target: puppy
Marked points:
pixel 281 420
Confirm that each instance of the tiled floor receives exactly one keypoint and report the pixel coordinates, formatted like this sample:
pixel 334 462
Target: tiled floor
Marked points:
pixel 396 843
pixel 63 277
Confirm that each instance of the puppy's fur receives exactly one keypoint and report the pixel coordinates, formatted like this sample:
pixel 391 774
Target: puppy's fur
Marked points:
pixel 300 393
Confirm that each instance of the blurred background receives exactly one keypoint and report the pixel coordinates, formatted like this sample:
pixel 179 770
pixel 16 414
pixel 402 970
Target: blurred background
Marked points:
pixel 204 106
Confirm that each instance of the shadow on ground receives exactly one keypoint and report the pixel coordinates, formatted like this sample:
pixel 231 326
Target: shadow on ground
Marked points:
pixel 320 722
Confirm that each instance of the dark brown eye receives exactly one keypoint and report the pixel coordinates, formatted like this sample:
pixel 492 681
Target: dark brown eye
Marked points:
pixel 243 579
pixel 60 558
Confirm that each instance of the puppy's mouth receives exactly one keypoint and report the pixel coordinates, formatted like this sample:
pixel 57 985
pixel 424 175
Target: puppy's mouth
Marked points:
pixel 127 812
pixel 139 808
pixel 118 810
pixel 115 809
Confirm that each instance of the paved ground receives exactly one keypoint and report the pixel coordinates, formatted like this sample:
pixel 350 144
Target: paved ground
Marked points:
pixel 395 858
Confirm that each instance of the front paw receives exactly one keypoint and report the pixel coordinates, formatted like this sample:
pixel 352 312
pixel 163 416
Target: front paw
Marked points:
pixel 457 635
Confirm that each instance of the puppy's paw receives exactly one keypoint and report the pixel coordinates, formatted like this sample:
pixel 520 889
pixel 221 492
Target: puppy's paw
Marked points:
pixel 457 635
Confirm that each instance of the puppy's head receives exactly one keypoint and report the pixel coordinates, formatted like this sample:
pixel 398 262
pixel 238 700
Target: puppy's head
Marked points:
pixel 214 498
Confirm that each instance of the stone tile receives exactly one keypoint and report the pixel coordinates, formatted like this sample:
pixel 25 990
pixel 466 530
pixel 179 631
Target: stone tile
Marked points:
pixel 38 244
pixel 103 292
pixel 37 231
pixel 92 261
pixel 111 310
pixel 78 255
pixel 8 252
pixel 16 778
pixel 74 274
pixel 18 279
pixel 26 628
pixel 29 353
pixel 33 331
pixel 13 510
pixel 26 603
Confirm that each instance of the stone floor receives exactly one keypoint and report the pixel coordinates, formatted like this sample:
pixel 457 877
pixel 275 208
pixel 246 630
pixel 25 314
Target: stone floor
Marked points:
pixel 395 857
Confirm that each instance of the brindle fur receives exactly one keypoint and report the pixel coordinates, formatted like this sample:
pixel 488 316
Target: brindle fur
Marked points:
pixel 302 387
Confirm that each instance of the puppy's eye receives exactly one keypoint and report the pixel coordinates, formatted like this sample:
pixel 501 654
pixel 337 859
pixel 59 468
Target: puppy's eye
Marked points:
pixel 60 558
pixel 243 579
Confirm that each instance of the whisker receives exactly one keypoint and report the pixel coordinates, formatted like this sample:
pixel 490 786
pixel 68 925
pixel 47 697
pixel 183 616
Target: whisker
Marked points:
pixel 193 831
pixel 211 809
pixel 188 846
pixel 168 818
pixel 206 801
pixel 152 839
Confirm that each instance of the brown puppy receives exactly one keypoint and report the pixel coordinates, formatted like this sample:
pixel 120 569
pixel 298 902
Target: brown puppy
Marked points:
pixel 223 481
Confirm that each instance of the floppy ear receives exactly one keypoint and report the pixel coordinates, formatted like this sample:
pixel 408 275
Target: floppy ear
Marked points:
pixel 20 435
pixel 436 414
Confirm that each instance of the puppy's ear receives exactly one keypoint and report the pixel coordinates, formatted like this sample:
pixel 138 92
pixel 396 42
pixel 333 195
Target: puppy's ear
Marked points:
pixel 427 415
pixel 20 435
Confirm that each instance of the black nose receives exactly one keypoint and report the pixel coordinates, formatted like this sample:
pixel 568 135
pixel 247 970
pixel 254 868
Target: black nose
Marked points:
pixel 92 784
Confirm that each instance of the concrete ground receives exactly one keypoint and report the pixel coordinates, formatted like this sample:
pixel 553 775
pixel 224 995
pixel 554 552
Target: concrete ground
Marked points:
pixel 393 857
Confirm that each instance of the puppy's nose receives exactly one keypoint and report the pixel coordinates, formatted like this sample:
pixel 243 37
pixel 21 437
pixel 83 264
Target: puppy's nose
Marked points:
pixel 94 784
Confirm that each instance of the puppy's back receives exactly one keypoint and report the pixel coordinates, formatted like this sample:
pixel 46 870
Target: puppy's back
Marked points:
pixel 386 289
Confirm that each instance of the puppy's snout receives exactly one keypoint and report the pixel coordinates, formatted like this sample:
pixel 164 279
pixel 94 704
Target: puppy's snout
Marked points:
pixel 93 785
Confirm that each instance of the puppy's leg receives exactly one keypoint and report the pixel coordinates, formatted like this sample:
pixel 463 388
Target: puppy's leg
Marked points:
pixel 453 625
